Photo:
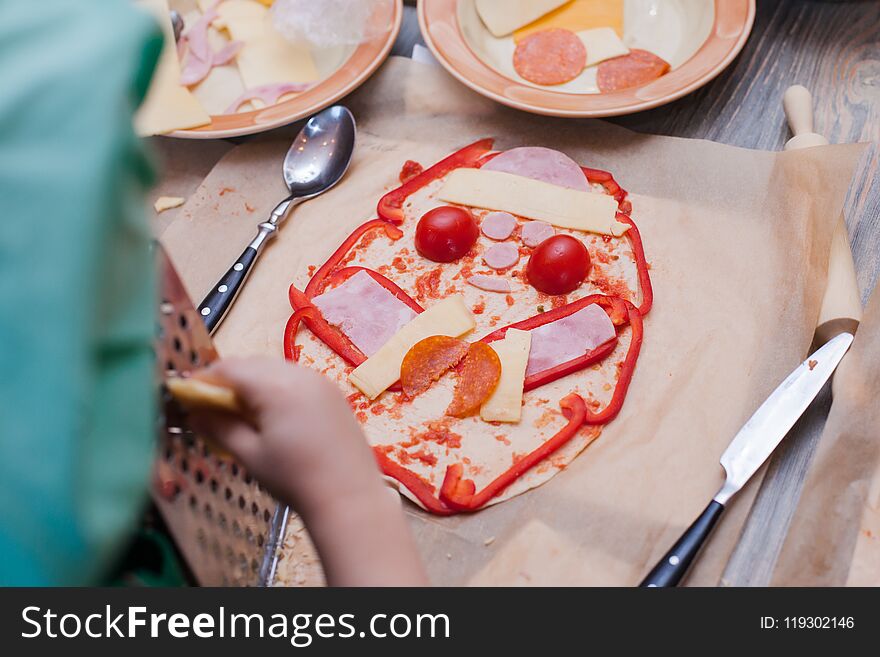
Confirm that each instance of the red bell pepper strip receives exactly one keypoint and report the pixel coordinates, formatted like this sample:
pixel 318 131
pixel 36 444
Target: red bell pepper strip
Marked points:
pixel 390 207
pixel 316 285
pixel 611 186
pixel 291 352
pixel 423 491
pixel 635 239
pixel 326 332
pixel 616 310
pixel 460 494
pixel 626 371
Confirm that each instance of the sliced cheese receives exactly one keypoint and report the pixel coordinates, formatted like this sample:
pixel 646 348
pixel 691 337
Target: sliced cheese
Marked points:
pixel 602 43
pixel 502 17
pixel 266 56
pixel 533 199
pixel 505 404
pixel 167 202
pixel 168 105
pixel 579 15
pixel 448 317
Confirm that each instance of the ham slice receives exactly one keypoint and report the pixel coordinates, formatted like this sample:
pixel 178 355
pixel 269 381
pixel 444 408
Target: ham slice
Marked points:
pixel 269 94
pixel 498 225
pixel 568 338
pixel 540 164
pixel 367 313
pixel 490 283
pixel 501 256
pixel 535 232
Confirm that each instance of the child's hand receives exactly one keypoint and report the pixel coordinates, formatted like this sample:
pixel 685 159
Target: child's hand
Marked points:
pixel 298 437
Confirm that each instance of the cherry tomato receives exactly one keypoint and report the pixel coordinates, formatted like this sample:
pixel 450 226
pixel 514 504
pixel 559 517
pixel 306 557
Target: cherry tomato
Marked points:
pixel 446 233
pixel 558 265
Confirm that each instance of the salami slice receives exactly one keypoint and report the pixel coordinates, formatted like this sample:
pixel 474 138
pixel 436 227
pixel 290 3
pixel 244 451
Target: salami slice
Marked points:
pixel 498 225
pixel 550 57
pixel 490 283
pixel 501 256
pixel 477 379
pixel 538 163
pixel 427 360
pixel 535 232
pixel 635 69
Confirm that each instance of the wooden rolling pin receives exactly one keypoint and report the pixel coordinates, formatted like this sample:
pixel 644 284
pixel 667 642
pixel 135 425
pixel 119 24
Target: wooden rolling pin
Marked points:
pixel 841 306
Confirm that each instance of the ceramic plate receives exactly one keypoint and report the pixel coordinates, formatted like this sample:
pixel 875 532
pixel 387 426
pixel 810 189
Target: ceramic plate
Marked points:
pixel 342 70
pixel 699 38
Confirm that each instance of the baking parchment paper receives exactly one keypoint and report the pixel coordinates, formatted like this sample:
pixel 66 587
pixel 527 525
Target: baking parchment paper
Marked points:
pixel 834 539
pixel 737 241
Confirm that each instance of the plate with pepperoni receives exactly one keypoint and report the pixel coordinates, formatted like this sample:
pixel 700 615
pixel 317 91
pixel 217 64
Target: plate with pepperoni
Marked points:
pixel 585 58
pixel 485 325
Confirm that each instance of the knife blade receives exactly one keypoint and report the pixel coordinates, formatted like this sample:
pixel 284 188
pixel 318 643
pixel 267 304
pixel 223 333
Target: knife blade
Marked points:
pixel 748 450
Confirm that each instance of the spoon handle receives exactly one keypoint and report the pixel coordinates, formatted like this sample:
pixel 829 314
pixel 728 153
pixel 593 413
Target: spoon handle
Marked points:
pixel 219 300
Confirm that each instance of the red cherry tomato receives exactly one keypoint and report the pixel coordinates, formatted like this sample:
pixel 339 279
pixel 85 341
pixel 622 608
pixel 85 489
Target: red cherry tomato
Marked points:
pixel 558 265
pixel 446 233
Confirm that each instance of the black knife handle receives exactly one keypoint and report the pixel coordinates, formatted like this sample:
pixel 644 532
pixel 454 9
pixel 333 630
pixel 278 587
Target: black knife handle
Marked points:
pixel 675 563
pixel 218 301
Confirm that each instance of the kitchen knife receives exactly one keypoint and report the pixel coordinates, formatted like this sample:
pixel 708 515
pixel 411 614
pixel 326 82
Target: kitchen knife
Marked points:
pixel 749 449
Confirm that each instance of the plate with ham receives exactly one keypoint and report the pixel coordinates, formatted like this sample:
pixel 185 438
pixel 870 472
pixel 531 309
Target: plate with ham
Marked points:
pixel 485 325
pixel 234 70
pixel 585 58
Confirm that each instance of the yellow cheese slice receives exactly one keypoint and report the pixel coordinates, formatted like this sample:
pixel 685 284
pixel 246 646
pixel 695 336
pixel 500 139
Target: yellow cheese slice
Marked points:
pixel 579 15
pixel 602 43
pixel 168 202
pixel 194 393
pixel 533 199
pixel 505 404
pixel 448 317
pixel 266 56
pixel 501 17
pixel 168 105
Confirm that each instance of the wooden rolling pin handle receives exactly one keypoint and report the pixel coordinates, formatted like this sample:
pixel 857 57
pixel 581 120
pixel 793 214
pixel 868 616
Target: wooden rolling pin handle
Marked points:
pixel 798 105
pixel 841 306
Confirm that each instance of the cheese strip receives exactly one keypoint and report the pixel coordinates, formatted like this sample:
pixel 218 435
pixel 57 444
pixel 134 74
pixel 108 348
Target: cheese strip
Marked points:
pixel 602 43
pixel 505 404
pixel 579 15
pixel 194 393
pixel 168 106
pixel 448 317
pixel 168 202
pixel 502 17
pixel 266 57
pixel 533 199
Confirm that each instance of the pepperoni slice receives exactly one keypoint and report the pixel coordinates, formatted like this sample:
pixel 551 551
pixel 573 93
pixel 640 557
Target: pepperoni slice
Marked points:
pixel 427 360
pixel 477 379
pixel 635 69
pixel 550 56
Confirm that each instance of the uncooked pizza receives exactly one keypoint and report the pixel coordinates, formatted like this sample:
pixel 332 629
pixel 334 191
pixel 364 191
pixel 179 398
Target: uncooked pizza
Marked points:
pixel 485 326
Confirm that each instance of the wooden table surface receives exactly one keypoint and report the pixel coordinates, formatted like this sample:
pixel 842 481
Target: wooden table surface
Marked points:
pixel 833 49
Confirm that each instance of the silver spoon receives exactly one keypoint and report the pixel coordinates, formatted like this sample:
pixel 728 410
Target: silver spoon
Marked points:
pixel 316 161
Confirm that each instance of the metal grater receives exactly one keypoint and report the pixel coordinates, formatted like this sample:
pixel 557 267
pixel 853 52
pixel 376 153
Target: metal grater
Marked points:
pixel 226 525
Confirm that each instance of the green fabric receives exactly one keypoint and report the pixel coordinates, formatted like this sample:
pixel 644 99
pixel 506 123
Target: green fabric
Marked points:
pixel 77 414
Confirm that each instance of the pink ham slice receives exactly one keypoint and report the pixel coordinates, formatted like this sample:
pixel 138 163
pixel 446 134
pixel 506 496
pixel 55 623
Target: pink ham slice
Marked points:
pixel 489 283
pixel 498 225
pixel 268 93
pixel 501 256
pixel 367 313
pixel 567 338
pixel 540 164
pixel 535 232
